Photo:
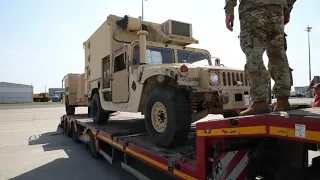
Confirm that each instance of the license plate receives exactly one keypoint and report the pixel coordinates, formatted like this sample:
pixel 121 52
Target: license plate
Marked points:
pixel 188 79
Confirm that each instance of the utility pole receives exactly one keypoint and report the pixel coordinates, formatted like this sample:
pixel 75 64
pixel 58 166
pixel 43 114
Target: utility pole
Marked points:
pixel 142 9
pixel 309 30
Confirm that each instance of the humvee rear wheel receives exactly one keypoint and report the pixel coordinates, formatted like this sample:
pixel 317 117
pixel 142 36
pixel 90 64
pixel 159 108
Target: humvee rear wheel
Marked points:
pixel 167 116
pixel 70 109
pixel 99 115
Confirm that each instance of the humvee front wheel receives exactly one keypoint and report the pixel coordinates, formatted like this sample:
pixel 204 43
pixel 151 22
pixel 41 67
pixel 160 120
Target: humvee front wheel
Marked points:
pixel 99 115
pixel 167 116
pixel 230 114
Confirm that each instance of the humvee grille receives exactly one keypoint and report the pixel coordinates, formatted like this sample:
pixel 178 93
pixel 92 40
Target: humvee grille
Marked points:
pixel 230 78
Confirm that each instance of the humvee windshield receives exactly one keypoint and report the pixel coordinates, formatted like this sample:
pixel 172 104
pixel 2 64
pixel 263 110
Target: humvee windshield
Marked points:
pixel 196 58
pixel 160 55
pixel 155 55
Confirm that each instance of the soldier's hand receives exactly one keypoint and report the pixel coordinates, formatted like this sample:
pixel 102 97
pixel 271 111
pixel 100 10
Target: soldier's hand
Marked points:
pixel 229 22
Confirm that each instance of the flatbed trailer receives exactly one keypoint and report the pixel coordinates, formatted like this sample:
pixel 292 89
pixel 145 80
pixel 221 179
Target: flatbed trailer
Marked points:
pixel 272 146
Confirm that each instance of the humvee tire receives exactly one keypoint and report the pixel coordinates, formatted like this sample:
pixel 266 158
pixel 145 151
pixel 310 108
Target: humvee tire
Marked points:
pixel 167 116
pixel 230 114
pixel 89 112
pixel 99 115
pixel 70 109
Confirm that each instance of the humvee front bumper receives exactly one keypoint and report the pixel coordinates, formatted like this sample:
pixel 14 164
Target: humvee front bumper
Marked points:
pixel 225 100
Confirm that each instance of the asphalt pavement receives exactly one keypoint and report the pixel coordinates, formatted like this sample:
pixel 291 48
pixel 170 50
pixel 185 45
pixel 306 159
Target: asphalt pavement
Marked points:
pixel 31 147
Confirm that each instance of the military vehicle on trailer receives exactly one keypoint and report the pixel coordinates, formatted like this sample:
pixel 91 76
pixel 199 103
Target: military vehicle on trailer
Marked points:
pixel 139 66
pixel 74 95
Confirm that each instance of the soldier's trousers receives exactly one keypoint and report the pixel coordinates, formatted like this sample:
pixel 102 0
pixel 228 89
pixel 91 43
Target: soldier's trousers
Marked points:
pixel 262 29
pixel 270 65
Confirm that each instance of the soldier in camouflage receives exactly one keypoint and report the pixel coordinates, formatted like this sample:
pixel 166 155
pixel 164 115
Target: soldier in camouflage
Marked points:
pixel 286 14
pixel 262 29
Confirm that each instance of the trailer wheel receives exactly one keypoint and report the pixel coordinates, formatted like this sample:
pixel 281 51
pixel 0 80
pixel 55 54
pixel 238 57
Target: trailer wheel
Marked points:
pixel 92 147
pixel 167 116
pixel 99 115
pixel 75 134
pixel 70 109
pixel 67 129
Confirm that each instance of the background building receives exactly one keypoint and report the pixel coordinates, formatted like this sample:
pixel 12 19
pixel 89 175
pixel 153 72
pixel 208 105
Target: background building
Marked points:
pixel 55 94
pixel 15 93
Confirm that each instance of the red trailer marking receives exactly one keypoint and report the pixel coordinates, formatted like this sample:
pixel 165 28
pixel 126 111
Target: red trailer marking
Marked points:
pixel 232 164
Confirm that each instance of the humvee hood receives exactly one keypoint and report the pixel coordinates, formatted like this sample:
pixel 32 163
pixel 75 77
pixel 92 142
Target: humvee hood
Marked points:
pixel 190 66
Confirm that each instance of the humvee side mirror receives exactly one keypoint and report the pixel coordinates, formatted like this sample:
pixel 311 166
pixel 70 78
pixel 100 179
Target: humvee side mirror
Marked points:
pixel 217 62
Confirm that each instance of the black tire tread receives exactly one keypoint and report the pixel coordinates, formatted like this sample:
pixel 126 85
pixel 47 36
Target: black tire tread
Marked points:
pixel 178 125
pixel 92 148
pixel 102 116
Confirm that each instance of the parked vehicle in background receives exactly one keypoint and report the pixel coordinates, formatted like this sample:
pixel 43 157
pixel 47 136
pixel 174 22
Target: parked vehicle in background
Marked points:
pixel 41 97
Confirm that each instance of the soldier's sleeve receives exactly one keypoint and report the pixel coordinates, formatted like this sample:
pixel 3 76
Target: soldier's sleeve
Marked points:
pixel 290 4
pixel 229 8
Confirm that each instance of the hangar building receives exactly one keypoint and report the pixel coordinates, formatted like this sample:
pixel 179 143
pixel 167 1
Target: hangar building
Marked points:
pixel 15 93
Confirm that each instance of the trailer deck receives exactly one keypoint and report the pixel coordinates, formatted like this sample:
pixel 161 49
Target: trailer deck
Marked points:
pixel 216 149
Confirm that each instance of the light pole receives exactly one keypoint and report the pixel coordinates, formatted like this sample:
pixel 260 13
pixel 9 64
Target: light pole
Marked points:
pixel 309 30
pixel 142 9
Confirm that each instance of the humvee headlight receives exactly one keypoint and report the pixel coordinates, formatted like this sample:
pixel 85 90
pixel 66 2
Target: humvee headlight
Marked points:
pixel 214 78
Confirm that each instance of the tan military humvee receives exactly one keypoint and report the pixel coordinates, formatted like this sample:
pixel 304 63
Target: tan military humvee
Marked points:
pixel 74 95
pixel 138 66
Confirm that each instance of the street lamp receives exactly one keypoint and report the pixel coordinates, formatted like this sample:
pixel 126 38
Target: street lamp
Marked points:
pixel 142 8
pixel 309 30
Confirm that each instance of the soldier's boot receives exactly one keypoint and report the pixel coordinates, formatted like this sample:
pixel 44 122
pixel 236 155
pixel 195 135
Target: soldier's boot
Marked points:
pixel 282 104
pixel 261 107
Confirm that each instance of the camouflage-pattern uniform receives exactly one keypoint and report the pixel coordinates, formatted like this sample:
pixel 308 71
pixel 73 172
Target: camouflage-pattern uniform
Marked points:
pixel 262 28
pixel 286 12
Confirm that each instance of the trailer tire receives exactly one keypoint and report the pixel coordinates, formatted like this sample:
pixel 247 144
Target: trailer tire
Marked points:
pixel 67 130
pixel 92 147
pixel 75 134
pixel 173 110
pixel 99 115
pixel 70 109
